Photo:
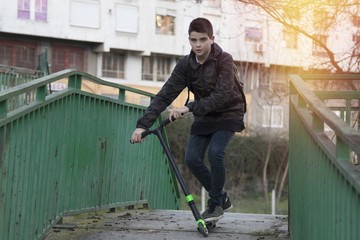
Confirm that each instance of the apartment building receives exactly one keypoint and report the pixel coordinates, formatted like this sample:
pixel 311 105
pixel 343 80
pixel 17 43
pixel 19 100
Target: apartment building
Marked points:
pixel 137 43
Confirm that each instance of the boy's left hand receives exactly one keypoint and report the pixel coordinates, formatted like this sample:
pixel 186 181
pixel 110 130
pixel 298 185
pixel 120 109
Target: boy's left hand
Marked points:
pixel 177 113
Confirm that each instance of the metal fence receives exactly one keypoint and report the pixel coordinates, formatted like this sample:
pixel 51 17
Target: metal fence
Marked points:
pixel 324 179
pixel 69 152
pixel 11 77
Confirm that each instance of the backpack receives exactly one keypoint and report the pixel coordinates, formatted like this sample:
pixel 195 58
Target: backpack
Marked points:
pixel 238 83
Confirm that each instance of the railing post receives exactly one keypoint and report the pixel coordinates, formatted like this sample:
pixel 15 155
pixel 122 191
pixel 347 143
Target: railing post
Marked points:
pixel 75 81
pixel 342 149
pixel 121 97
pixel 348 111
pixel 317 124
pixel 41 93
pixel 301 102
pixel 3 109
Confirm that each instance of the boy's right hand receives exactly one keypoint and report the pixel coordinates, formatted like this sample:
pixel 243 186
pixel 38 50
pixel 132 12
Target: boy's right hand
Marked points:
pixel 136 136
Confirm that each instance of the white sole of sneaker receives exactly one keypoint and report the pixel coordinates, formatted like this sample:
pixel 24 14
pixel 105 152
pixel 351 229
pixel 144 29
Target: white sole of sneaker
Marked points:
pixel 213 218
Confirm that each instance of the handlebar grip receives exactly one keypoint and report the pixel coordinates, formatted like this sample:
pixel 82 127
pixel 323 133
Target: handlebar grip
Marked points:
pixel 163 124
pixel 144 134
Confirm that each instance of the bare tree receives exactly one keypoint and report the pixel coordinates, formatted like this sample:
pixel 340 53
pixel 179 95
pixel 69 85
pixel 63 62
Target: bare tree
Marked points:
pixel 315 19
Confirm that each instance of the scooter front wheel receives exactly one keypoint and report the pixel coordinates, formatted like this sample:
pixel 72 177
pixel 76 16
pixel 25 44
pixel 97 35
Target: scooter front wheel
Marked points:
pixel 202 229
pixel 210 224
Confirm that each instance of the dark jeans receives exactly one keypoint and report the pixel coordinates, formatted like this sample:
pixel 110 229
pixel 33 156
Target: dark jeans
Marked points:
pixel 212 179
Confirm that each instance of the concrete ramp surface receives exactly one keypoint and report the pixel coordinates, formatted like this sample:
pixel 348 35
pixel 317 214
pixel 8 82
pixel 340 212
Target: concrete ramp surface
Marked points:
pixel 167 224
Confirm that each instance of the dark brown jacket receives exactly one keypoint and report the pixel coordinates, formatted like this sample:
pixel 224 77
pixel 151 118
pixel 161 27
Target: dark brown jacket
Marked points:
pixel 218 104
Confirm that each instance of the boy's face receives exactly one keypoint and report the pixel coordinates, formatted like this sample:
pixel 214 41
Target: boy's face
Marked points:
pixel 201 44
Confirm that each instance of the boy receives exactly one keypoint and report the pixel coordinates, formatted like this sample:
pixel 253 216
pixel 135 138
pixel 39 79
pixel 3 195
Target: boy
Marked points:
pixel 218 111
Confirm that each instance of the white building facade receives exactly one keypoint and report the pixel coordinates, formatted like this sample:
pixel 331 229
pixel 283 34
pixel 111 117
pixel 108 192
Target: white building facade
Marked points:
pixel 137 43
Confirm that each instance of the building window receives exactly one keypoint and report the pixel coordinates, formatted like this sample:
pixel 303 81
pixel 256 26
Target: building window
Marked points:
pixel 156 68
pixel 67 57
pixel 316 49
pixel 18 54
pixel 163 68
pixel 321 19
pixel 41 10
pixel 85 13
pixel 290 38
pixel 26 9
pixel 113 65
pixel 213 3
pixel 253 34
pixel 6 55
pixel 127 18
pixel 356 40
pixel 250 72
pixel 291 12
pixel 273 116
pixel 264 78
pixel 165 22
pixel 25 57
pixel 356 21
pixel 147 68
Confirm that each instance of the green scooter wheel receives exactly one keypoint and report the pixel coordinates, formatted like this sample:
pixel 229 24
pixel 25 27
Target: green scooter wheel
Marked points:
pixel 202 229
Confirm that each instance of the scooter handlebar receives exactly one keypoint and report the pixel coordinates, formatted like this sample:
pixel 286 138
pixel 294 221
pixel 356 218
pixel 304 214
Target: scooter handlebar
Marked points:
pixel 162 124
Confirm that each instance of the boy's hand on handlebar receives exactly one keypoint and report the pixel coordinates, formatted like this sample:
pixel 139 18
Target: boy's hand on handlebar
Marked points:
pixel 177 113
pixel 136 136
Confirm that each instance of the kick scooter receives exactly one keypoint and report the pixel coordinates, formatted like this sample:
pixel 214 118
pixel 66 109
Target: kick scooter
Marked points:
pixel 201 225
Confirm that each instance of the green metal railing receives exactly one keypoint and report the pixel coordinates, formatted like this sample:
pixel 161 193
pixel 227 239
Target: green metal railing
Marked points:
pixel 69 151
pixel 324 181
pixel 15 76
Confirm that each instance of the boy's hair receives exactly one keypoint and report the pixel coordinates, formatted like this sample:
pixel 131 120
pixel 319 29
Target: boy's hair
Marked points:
pixel 201 25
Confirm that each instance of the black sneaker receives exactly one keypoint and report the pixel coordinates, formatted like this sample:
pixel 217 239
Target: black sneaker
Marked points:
pixel 213 212
pixel 226 205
